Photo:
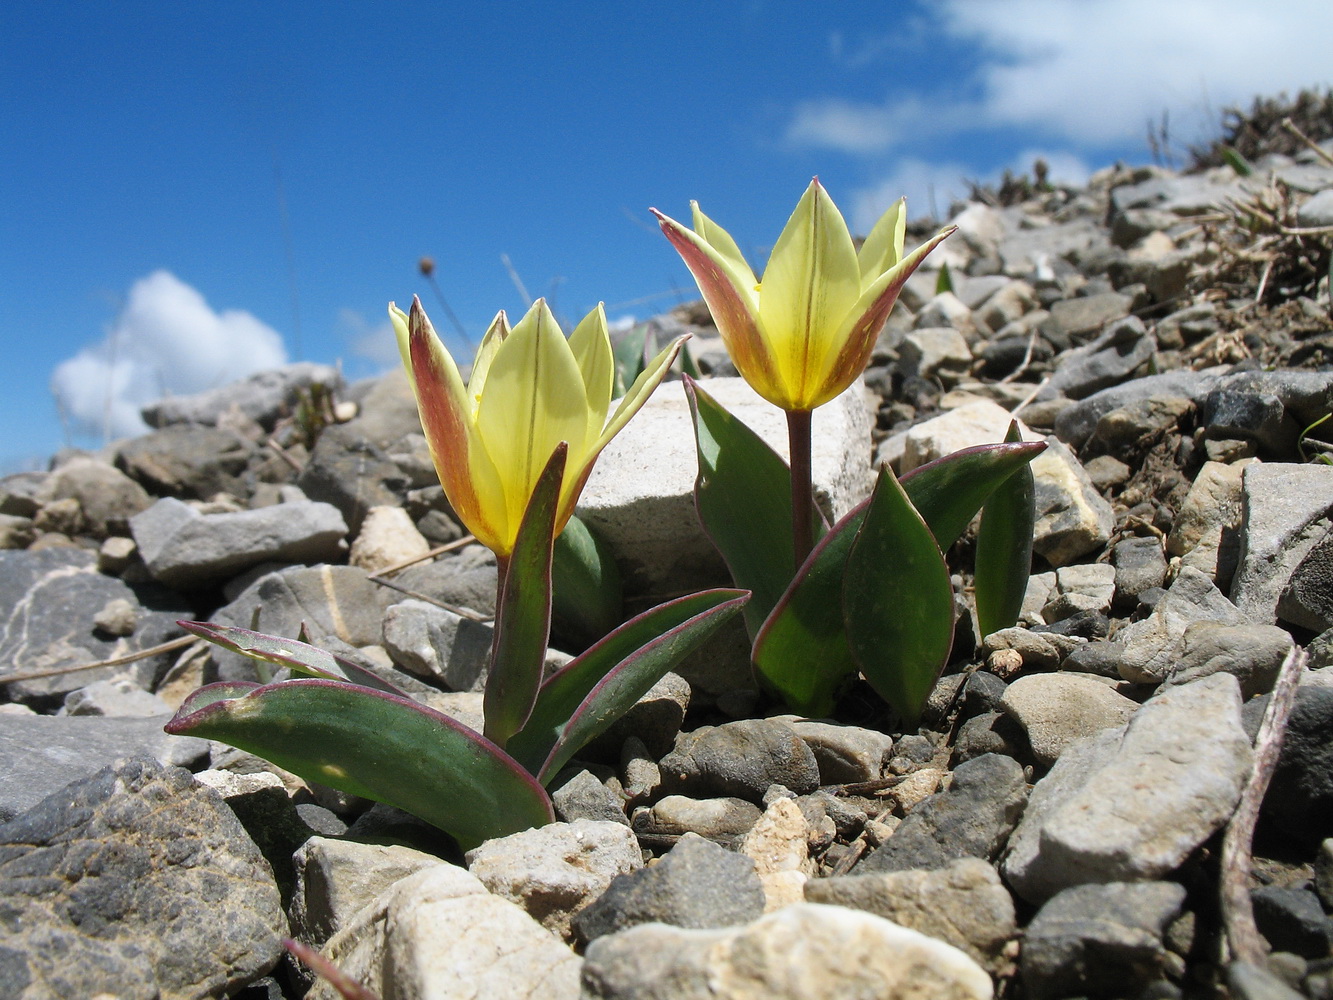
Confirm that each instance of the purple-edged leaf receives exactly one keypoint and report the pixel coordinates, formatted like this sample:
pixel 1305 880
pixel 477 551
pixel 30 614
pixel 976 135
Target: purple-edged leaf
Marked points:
pixel 950 490
pixel 596 688
pixel 898 601
pixel 1004 548
pixel 801 653
pixel 376 745
pixel 296 655
pixel 743 495
pixel 523 617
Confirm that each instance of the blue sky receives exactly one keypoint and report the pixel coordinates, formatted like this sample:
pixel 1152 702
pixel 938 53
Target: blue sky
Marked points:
pixel 227 186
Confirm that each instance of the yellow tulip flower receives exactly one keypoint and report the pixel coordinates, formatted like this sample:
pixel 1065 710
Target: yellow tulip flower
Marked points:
pixel 530 389
pixel 803 334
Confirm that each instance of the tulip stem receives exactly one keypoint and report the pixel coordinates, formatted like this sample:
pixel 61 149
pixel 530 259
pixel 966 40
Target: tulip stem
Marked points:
pixel 802 489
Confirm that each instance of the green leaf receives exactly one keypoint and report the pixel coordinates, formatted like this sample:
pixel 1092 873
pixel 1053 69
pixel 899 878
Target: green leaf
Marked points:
pixel 1237 162
pixel 298 656
pixel 587 597
pixel 1004 548
pixel 898 601
pixel 943 281
pixel 801 653
pixel 596 688
pixel 950 490
pixel 743 495
pixel 630 352
pixel 376 745
pixel 523 615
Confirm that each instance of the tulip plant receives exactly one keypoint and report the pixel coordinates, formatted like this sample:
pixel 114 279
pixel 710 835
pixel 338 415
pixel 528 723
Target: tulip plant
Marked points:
pixel 873 595
pixel 513 450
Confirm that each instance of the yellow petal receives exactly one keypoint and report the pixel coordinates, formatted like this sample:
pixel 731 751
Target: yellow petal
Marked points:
pixel 490 343
pixel 534 399
pixel 860 330
pixel 465 470
pixel 718 238
pixel 734 303
pixel 398 319
pixel 811 283
pixel 591 345
pixel 883 248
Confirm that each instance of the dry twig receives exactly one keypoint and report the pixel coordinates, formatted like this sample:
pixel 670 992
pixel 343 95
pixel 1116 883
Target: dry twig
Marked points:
pixel 115 661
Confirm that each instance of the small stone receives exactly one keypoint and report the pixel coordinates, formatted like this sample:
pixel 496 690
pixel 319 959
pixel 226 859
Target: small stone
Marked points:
pixel 1253 654
pixel 845 754
pixel 916 787
pixel 723 820
pixel 1293 920
pixel 584 797
pixel 1057 709
pixel 387 538
pixel 118 698
pixel 741 759
pixel 115 554
pixel 118 617
pixel 1139 565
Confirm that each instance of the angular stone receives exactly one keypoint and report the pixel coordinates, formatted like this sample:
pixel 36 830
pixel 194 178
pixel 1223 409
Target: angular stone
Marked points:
pixel 555 870
pixel 640 497
pixel 801 951
pixel 971 819
pixel 116 698
pixel 935 353
pixel 439 933
pixel 1121 348
pixel 1075 424
pixel 963 904
pixel 1099 940
pixel 1073 519
pixel 182 547
pixel 134 882
pixel 263 397
pixel 696 884
pixel 188 461
pixel 1078 317
pixel 435 643
pixel 1131 804
pixel 844 753
pixel 387 538
pixel 107 497
pixel 1253 654
pixel 723 820
pixel 584 797
pixel 1152 646
pixel 741 759
pixel 1057 709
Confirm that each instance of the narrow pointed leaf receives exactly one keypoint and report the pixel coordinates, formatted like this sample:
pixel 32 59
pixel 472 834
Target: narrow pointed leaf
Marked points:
pixel 801 653
pixel 898 601
pixel 950 490
pixel 1004 548
pixel 598 687
pixel 298 656
pixel 743 495
pixel 523 618
pixel 587 599
pixel 376 745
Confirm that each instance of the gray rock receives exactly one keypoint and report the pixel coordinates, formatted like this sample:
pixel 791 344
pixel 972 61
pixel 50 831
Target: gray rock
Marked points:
pixel 336 879
pixel 49 600
pixel 1251 653
pixel 1323 873
pixel 1122 430
pixel 1306 395
pixel 1099 940
pixel 1317 211
pixel 1079 317
pixel 654 719
pixel 136 882
pixel 1124 346
pixel 1307 599
pixel 988 733
pixel 119 698
pixel 40 754
pixel 1073 519
pixel 434 643
pixel 439 933
pixel 336 601
pixel 1291 919
pixel 937 352
pixel 263 397
pixel 844 753
pixel 963 904
pixel 723 820
pixel 1187 194
pixel 1250 982
pixel 1139 565
pixel 1152 646
pixel 107 497
pixel 1238 414
pixel 695 884
pixel 556 869
pixel 466 579
pixel 1285 509
pixel 1075 424
pixel 584 797
pixel 1131 804
pixel 741 759
pixel 801 951
pixel 1057 709
pixel 184 548
pixel 1300 796
pixel 16 532
pixel 20 493
pixel 188 461
pixel 972 819
pixel 1204 531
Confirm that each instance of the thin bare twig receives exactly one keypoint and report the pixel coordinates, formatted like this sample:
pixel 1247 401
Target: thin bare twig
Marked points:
pixel 439 550
pixel 457 609
pixel 115 661
pixel 1237 911
pixel 348 987
pixel 1319 150
pixel 282 454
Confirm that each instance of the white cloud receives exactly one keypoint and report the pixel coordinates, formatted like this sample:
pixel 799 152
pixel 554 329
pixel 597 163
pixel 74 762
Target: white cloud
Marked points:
pixel 1088 72
pixel 167 340
pixel 374 343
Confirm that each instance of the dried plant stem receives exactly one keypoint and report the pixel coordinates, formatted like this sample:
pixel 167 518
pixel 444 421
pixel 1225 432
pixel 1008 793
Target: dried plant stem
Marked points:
pixel 1237 912
pixel 802 485
pixel 457 609
pixel 439 550
pixel 346 986
pixel 115 661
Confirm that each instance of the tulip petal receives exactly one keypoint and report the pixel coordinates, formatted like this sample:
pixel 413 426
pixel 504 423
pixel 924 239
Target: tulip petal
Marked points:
pixel 718 238
pixel 811 283
pixel 490 344
pixel 860 330
pixel 466 472
pixel 731 297
pixel 534 399
pixel 883 248
pixel 591 345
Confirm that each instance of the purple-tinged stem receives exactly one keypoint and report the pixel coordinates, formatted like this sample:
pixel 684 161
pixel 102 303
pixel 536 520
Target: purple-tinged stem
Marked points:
pixel 802 489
